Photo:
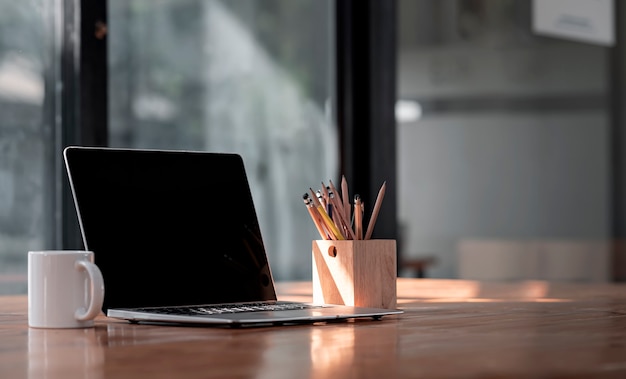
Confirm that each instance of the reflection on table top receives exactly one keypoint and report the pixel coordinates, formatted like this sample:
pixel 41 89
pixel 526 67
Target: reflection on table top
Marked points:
pixel 457 329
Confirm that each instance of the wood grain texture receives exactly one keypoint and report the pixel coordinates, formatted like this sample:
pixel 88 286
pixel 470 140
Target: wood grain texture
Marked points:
pixel 357 273
pixel 450 329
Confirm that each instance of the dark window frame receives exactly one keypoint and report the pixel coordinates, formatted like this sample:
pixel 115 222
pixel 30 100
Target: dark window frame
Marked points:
pixel 84 98
pixel 617 139
pixel 366 91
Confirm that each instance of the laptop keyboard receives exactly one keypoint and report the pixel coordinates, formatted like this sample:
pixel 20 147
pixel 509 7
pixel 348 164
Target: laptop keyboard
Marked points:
pixel 228 308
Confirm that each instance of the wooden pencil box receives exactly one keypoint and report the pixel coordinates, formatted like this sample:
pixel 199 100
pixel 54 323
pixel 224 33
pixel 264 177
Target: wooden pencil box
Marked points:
pixel 358 273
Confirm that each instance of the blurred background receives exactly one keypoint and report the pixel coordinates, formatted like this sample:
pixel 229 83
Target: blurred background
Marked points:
pixel 504 167
pixel 503 161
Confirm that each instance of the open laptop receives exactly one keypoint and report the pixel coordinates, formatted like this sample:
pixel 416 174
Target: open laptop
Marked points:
pixel 176 236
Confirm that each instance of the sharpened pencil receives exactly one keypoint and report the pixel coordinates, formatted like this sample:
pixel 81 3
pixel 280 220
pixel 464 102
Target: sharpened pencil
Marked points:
pixel 345 197
pixel 379 201
pixel 344 225
pixel 358 218
pixel 335 232
pixel 315 216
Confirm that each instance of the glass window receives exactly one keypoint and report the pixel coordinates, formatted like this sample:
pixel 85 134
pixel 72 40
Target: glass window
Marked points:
pixel 27 164
pixel 253 77
pixel 503 155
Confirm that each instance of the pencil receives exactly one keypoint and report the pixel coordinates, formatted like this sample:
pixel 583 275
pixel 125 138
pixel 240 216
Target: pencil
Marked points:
pixel 321 198
pixel 345 197
pixel 345 226
pixel 325 193
pixel 338 194
pixel 314 216
pixel 330 207
pixel 337 203
pixel 358 218
pixel 379 201
pixel 335 232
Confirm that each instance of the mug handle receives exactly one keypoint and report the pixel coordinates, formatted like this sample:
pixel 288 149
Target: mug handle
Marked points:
pixel 97 291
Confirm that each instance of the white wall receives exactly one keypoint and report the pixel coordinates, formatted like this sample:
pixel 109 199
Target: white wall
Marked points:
pixel 502 175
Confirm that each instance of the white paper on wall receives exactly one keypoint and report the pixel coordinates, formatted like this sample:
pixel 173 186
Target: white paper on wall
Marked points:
pixel 589 21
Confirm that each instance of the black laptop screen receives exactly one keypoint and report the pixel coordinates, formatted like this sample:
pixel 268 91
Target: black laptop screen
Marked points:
pixel 169 227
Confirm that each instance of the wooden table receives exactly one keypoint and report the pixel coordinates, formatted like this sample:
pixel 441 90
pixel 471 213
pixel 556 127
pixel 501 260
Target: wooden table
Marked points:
pixel 450 329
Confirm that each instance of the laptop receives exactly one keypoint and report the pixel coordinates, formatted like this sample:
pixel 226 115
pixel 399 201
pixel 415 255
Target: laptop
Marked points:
pixel 176 236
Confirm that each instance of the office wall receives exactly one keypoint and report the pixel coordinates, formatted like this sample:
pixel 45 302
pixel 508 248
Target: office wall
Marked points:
pixel 500 177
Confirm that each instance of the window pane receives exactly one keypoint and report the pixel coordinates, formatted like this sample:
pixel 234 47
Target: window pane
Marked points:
pixel 503 153
pixel 26 141
pixel 253 77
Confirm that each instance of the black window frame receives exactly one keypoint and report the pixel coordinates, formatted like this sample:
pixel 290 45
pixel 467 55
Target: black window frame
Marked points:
pixel 617 140
pixel 366 96
pixel 84 98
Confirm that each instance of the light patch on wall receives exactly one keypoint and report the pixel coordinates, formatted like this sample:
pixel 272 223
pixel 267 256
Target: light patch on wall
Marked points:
pixel 408 111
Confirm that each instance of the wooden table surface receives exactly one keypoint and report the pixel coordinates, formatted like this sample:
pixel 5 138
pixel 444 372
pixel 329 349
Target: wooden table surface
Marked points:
pixel 450 329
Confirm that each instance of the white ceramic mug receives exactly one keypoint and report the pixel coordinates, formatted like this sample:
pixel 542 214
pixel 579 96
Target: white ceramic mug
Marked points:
pixel 65 289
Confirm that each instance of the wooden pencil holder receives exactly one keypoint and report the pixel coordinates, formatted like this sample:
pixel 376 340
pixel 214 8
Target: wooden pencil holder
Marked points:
pixel 359 273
